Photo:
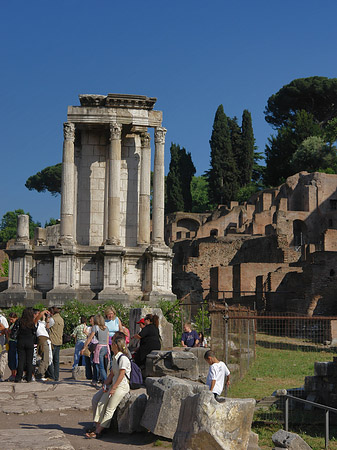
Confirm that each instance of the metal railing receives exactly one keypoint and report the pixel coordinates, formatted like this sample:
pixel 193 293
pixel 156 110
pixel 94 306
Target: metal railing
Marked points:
pixel 283 393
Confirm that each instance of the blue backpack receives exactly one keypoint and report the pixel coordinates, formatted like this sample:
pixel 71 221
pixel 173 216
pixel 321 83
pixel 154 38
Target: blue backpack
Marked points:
pixel 136 378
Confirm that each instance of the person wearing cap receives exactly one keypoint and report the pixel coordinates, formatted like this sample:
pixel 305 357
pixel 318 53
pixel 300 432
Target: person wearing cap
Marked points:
pixel 149 339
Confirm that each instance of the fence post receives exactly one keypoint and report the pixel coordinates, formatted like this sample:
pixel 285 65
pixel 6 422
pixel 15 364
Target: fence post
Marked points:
pixel 286 420
pixel 248 349
pixel 226 339
pixel 203 322
pixel 326 429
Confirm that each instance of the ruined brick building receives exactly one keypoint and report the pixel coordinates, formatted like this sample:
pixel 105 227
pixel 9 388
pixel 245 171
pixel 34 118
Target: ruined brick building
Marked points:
pixel 277 251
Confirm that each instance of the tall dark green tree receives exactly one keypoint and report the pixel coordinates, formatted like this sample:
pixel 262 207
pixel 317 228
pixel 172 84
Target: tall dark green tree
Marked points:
pixel 236 142
pixel 222 176
pixel 187 171
pixel 246 159
pixel 174 194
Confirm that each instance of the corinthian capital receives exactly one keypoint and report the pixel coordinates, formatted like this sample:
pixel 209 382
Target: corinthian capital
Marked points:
pixel 145 139
pixel 159 135
pixel 69 131
pixel 115 131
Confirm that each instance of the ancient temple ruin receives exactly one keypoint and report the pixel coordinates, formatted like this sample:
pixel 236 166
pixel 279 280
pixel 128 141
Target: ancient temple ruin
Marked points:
pixel 106 246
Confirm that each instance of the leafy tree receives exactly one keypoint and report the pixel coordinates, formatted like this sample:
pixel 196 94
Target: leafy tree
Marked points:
pixel 49 179
pixel 313 154
pixel 222 176
pixel 315 95
pixel 51 222
pixel 8 225
pixel 200 197
pixel 4 268
pixel 178 180
pixel 280 148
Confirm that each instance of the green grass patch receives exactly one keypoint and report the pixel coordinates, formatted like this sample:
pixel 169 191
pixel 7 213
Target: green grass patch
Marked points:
pixel 276 369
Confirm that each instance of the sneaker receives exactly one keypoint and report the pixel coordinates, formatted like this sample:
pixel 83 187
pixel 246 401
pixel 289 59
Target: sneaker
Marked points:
pixel 1 380
pixel 94 383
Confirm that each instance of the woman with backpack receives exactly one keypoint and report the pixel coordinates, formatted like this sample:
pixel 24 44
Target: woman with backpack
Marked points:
pixel 116 386
pixel 25 344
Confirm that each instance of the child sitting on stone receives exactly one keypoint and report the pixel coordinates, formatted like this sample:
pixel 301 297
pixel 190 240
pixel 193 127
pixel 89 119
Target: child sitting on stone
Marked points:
pixel 217 374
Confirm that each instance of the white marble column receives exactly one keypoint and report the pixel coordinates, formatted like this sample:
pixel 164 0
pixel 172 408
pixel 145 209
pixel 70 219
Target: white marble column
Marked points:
pixel 144 190
pixel 114 164
pixel 22 230
pixel 158 187
pixel 68 184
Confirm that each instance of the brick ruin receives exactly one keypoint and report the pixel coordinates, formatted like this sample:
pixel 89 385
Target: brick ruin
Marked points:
pixel 278 251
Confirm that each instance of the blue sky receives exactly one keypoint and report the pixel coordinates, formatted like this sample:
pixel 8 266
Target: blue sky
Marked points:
pixel 191 55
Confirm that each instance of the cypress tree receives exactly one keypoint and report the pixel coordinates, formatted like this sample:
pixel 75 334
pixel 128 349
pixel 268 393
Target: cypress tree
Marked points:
pixel 174 194
pixel 236 141
pixel 246 160
pixel 187 170
pixel 222 177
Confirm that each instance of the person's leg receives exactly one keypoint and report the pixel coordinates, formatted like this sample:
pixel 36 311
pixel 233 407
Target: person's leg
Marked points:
pixel 29 361
pixel 102 371
pixel 78 347
pixel 56 361
pixel 95 400
pixel 111 406
pixel 88 368
pixel 44 363
pixel 12 359
pixel 21 361
pixel 3 362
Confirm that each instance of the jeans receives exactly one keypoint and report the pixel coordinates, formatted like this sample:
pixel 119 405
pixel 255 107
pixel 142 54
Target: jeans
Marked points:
pixel 12 356
pixel 101 366
pixel 77 357
pixel 54 368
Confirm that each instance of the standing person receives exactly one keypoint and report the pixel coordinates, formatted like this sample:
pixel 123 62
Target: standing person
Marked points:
pixel 43 344
pixel 217 374
pixel 190 337
pixel 202 339
pixel 112 322
pixel 149 339
pixel 91 371
pixel 56 335
pixel 3 349
pixel 101 332
pixel 80 334
pixel 115 388
pixel 12 334
pixel 25 344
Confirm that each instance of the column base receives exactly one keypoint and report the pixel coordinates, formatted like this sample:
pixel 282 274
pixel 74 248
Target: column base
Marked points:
pixel 154 297
pixel 113 294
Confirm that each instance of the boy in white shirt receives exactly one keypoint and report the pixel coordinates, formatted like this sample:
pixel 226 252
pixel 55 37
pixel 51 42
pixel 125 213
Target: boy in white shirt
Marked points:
pixel 217 374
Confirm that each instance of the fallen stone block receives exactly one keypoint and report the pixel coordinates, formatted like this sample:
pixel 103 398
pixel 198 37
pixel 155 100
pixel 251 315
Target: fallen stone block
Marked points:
pixel 291 441
pixel 34 439
pixel 203 366
pixel 78 373
pixel 176 364
pixel 163 406
pixel 130 412
pixel 205 423
pixel 253 442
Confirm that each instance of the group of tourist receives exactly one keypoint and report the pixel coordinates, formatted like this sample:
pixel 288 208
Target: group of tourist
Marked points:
pixel 22 339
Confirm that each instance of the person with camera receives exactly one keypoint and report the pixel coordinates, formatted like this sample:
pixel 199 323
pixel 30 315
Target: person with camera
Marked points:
pixel 43 343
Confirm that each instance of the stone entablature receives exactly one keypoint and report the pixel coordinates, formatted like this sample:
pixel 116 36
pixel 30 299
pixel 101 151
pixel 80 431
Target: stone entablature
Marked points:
pixel 103 247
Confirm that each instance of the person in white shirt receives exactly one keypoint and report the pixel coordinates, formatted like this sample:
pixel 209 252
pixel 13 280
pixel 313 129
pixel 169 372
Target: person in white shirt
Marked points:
pixel 3 350
pixel 217 374
pixel 43 344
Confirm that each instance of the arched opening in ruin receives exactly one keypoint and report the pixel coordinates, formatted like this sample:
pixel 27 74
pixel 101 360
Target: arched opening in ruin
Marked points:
pixel 188 227
pixel 299 233
pixel 213 232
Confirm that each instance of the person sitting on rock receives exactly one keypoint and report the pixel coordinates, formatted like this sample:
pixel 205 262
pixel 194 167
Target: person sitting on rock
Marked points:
pixel 217 374
pixel 189 337
pixel 149 339
pixel 115 387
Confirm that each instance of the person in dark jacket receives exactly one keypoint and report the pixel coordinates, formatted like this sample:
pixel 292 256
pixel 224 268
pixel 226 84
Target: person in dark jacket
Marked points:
pixel 149 339
pixel 25 344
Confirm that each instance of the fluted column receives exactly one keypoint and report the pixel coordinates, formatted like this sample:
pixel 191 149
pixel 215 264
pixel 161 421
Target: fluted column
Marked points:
pixel 114 162
pixel 144 190
pixel 68 184
pixel 158 187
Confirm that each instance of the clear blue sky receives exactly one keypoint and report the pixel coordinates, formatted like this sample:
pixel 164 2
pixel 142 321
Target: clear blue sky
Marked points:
pixel 191 55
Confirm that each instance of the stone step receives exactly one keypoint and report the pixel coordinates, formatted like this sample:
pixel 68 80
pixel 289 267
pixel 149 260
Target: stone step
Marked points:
pixel 34 439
